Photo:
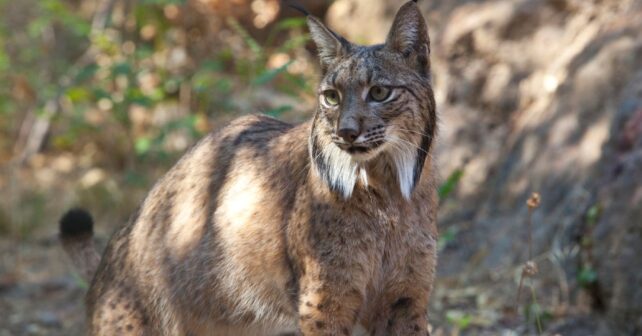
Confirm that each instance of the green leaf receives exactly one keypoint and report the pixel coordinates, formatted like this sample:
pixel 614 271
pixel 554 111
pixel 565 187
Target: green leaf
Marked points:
pixel 277 111
pixel 80 282
pixel 447 187
pixel 122 68
pixel 202 81
pixel 78 94
pixel 290 23
pixel 459 319
pixel 294 43
pixel 269 75
pixel 249 40
pixel 142 145
pixel 35 27
pixel 87 72
pixel 100 93
pixel 586 276
pixel 58 11
pixel 223 86
pixel 157 95
pixel 446 237
pixel 285 24
pixel 212 65
pixel 593 214
pixel 135 178
pixel 225 55
pixel 134 95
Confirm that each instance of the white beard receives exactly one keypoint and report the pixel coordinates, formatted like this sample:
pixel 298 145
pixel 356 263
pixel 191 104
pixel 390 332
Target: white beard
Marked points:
pixel 343 172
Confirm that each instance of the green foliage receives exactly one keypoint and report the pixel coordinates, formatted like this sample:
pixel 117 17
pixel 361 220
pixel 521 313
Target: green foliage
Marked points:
pixel 277 111
pixel 112 77
pixel 459 319
pixel 4 58
pixel 593 214
pixel 289 23
pixel 163 2
pixel 537 316
pixel 133 93
pixel 135 178
pixel 450 184
pixel 254 46
pixel 80 282
pixel 56 11
pixel 587 276
pixel 446 237
pixel 269 74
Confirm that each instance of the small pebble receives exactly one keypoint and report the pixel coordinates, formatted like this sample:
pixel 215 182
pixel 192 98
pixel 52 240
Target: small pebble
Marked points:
pixel 48 319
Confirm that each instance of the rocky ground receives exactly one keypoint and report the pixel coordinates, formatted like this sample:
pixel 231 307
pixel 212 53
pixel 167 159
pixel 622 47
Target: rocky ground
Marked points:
pixel 38 294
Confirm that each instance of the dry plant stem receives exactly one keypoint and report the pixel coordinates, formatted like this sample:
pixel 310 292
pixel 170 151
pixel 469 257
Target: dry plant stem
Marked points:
pixel 530 234
pixel 530 267
pixel 530 253
pixel 537 319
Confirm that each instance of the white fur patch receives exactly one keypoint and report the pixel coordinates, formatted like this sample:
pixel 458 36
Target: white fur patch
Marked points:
pixel 363 175
pixel 404 156
pixel 342 170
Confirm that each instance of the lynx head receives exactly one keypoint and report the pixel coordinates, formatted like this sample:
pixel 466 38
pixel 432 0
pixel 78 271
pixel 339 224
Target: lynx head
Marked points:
pixel 375 105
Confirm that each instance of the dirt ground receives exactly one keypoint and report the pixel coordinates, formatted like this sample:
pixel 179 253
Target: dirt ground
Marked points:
pixel 41 295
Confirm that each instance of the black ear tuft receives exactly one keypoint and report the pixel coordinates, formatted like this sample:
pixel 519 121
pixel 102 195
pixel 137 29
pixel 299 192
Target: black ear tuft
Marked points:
pixel 297 7
pixel 76 222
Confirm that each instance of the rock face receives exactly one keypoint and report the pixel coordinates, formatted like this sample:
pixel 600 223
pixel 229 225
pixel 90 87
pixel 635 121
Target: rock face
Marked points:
pixel 546 96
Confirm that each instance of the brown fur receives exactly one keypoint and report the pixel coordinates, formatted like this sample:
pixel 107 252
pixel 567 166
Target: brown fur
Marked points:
pixel 250 233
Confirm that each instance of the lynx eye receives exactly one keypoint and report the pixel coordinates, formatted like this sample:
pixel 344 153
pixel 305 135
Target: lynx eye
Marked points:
pixel 331 97
pixel 379 93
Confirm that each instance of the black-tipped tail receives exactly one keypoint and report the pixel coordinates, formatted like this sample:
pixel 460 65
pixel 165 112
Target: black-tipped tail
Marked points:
pixel 76 223
pixel 76 236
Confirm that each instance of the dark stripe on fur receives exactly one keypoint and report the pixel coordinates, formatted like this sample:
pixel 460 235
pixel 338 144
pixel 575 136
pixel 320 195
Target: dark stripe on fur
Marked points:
pixel 426 139
pixel 319 161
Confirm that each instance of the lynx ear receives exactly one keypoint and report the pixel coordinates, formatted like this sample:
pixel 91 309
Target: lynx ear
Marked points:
pixel 409 35
pixel 330 44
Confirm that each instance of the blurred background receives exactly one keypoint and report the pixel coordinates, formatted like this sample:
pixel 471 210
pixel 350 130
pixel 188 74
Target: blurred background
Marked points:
pixel 99 98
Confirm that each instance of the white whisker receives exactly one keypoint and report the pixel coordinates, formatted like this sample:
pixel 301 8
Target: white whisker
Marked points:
pixel 413 131
pixel 409 143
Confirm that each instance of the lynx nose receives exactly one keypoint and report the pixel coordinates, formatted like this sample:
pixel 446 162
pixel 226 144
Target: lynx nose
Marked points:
pixel 348 134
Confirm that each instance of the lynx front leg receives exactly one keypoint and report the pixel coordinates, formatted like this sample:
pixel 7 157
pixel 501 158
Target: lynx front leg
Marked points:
pixel 327 308
pixel 407 317
pixel 401 316
pixel 404 306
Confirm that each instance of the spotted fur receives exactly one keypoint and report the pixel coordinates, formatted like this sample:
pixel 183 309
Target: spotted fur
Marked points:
pixel 265 228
